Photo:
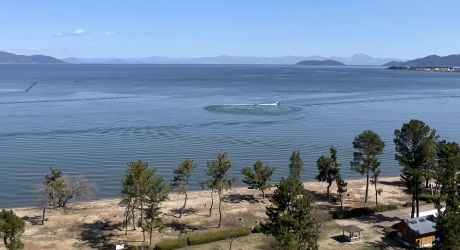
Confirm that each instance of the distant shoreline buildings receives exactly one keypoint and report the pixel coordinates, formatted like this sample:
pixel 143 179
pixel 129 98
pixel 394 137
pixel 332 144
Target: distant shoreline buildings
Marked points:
pixel 430 69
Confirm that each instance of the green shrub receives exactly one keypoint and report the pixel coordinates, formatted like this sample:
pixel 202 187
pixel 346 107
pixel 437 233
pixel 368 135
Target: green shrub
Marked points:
pixel 171 244
pixel 355 212
pixel 208 237
pixel 256 229
pixel 434 197
pixel 407 204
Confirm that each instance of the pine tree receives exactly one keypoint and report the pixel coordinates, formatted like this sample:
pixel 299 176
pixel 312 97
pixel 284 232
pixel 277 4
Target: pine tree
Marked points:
pixel 369 147
pixel 158 192
pixel 290 220
pixel 219 180
pixel 258 176
pixel 137 186
pixel 295 165
pixel 181 178
pixel 328 168
pixel 11 228
pixel 341 188
pixel 414 143
pixel 448 221
pixel 128 196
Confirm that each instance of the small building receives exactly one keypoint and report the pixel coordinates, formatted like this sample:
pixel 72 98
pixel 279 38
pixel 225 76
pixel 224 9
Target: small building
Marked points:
pixel 351 230
pixel 417 232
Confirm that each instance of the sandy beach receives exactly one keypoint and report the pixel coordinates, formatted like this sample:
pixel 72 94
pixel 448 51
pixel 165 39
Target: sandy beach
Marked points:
pixel 98 224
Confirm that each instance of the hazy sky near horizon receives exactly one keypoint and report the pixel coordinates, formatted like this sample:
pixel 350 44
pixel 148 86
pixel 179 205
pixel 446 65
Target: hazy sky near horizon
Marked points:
pixel 127 29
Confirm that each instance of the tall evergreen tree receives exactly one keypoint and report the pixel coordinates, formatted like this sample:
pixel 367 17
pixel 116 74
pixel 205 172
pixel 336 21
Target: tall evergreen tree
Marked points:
pixel 128 197
pixel 158 192
pixel 137 186
pixel 218 171
pixel 414 143
pixel 257 177
pixel 341 188
pixel 448 221
pixel 295 165
pixel 290 220
pixel 369 147
pixel 328 168
pixel 11 228
pixel 181 178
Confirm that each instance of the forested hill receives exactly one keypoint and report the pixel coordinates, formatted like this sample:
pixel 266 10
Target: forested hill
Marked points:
pixel 320 63
pixel 6 57
pixel 430 61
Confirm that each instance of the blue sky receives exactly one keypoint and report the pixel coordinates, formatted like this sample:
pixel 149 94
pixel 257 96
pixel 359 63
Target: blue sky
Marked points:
pixel 128 29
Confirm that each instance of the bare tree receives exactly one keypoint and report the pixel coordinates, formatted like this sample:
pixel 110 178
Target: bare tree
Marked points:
pixel 78 188
pixel 60 188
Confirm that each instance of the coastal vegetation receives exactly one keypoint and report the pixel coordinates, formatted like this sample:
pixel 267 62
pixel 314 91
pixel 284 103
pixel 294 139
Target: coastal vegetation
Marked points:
pixel 415 148
pixel 143 191
pixel 219 180
pixel 258 177
pixel 295 164
pixel 11 228
pixel 368 146
pixel 289 218
pixel 181 179
pixel 328 169
pixel 448 221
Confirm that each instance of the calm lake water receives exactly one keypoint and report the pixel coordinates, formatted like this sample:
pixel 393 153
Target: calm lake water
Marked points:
pixel 94 119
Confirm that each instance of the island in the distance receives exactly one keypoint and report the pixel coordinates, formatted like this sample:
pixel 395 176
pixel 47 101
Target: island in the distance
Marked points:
pixel 10 58
pixel 319 63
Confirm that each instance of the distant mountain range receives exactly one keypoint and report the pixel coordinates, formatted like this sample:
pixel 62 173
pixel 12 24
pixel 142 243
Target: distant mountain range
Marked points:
pixel 9 58
pixel 429 61
pixel 357 59
pixel 319 63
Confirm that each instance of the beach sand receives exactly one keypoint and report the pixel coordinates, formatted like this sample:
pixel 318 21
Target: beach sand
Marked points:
pixel 98 224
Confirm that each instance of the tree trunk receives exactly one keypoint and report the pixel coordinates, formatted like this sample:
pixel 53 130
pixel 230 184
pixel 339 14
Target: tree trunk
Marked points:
pixel 44 214
pixel 330 183
pixel 212 201
pixel 142 225
pixel 4 240
pixel 126 222
pixel 341 202
pixel 416 200
pixel 183 207
pixel 426 182
pixel 412 213
pixel 263 194
pixel 151 232
pixel 367 187
pixel 376 194
pixel 220 212
pixel 132 214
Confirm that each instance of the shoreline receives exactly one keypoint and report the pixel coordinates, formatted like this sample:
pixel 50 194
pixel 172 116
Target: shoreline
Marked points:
pixel 173 195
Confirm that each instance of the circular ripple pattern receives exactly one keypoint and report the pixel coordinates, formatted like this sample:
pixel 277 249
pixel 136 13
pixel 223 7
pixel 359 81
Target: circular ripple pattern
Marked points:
pixel 252 109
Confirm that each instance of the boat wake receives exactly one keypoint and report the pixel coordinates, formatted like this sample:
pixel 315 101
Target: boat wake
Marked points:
pixel 253 109
pixel 254 104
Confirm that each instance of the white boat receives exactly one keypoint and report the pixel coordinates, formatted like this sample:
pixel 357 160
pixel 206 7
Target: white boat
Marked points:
pixel 269 104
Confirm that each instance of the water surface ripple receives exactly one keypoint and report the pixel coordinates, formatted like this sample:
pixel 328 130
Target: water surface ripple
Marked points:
pixel 94 119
